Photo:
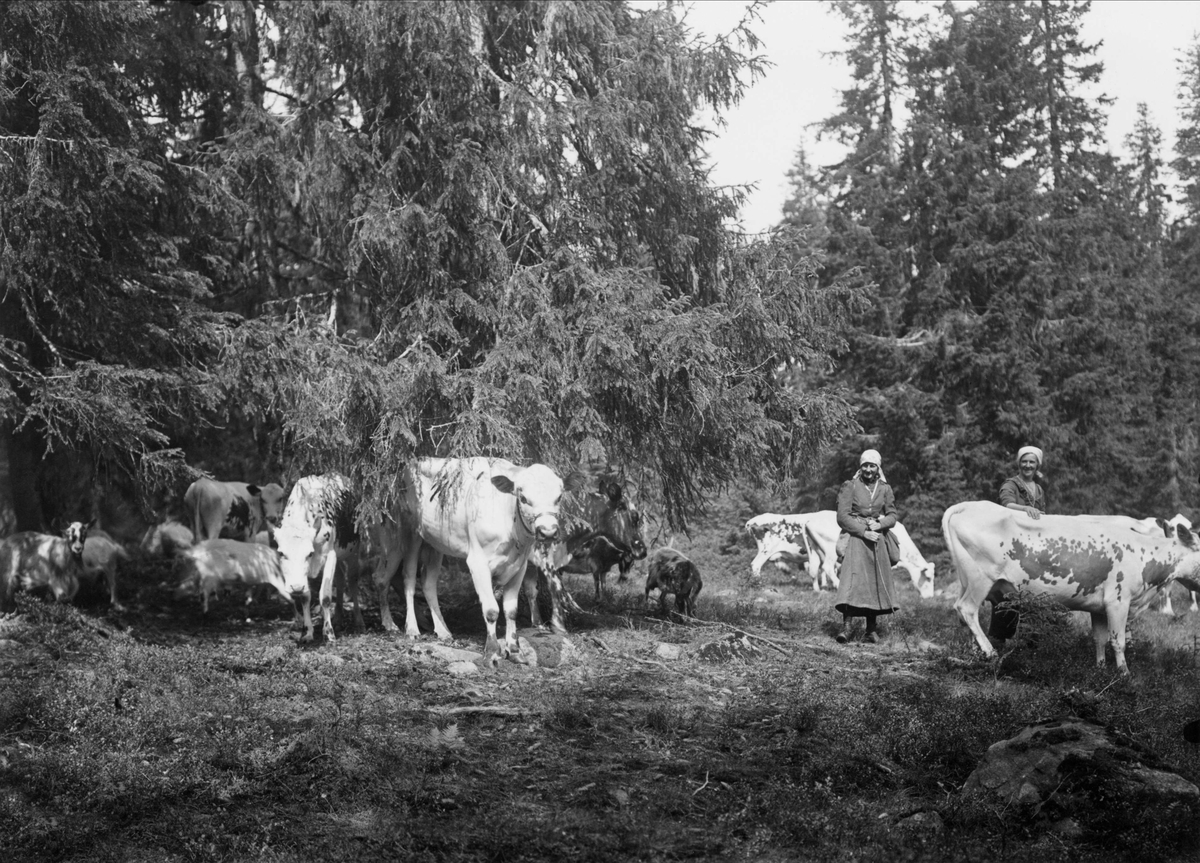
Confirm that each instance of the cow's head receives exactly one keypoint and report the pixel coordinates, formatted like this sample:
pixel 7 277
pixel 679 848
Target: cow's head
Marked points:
pixel 273 500
pixel 537 490
pixel 302 551
pixel 620 519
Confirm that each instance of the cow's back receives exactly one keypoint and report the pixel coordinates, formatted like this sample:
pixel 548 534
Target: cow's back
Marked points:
pixel 447 501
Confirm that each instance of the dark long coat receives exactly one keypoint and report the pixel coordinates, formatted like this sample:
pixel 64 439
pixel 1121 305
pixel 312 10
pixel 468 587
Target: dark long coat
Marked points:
pixel 866 572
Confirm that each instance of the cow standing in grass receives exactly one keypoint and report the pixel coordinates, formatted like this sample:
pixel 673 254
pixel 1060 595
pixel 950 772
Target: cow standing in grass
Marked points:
pixel 30 561
pixel 488 512
pixel 1108 566
pixel 317 534
pixel 232 510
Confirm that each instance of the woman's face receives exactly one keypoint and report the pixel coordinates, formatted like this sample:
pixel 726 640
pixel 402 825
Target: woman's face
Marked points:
pixel 869 471
pixel 1028 465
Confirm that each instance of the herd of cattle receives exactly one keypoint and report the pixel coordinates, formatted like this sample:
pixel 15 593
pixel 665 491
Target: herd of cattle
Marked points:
pixel 505 522
pixel 490 513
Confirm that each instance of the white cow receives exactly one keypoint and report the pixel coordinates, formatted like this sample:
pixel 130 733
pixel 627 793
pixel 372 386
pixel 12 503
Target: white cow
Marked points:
pixel 782 540
pixel 486 511
pixel 1108 566
pixel 316 535
pixel 234 509
pixel 214 564
pixel 1166 608
pixel 822 534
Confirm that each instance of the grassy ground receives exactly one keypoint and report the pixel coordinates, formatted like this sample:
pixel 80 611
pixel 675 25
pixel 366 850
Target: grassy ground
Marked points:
pixel 161 735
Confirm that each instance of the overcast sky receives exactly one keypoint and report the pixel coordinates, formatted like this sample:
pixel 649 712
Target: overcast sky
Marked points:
pixel 1141 45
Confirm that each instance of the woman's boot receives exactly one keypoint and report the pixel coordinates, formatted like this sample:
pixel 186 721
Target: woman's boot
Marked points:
pixel 871 637
pixel 844 635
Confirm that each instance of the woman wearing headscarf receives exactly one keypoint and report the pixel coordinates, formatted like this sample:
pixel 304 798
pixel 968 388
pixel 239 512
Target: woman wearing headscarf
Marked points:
pixel 866 511
pixel 1022 492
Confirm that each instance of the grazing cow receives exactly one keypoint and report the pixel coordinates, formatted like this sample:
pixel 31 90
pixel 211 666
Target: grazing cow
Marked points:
pixel 1108 566
pixel 487 511
pixel 214 564
pixel 822 532
pixel 167 539
pixel 101 556
pixel 1166 608
pixel 30 560
pixel 232 510
pixel 317 534
pixel 671 572
pixel 782 540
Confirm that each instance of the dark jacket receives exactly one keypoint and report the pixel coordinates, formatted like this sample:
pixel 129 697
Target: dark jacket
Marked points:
pixel 1014 491
pixel 865 578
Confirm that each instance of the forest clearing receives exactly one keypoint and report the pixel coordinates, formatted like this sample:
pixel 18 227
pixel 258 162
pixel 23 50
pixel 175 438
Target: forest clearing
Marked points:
pixel 163 734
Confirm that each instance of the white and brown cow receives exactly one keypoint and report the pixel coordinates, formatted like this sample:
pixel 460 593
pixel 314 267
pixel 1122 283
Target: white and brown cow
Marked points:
pixel 217 564
pixel 30 561
pixel 315 536
pixel 232 510
pixel 1108 566
pixel 782 540
pixel 486 511
pixel 822 533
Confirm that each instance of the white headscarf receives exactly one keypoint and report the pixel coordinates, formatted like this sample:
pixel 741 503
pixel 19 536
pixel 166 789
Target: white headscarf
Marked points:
pixel 871 456
pixel 1030 450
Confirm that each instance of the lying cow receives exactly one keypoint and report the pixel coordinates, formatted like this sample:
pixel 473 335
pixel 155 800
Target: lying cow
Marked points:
pixel 232 510
pixel 101 557
pixel 822 533
pixel 315 537
pixel 216 564
pixel 486 511
pixel 669 571
pixel 30 561
pixel 167 539
pixel 782 540
pixel 1108 566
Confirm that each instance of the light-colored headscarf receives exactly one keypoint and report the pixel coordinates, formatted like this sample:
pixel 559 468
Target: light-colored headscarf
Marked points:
pixel 871 456
pixel 1030 450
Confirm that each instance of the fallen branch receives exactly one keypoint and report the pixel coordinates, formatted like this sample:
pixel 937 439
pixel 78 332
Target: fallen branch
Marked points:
pixel 740 631
pixel 492 711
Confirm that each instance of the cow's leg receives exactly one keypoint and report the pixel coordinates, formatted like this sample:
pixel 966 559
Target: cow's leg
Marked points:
pixel 512 593
pixel 481 578
pixel 302 600
pixel 352 561
pixel 1118 615
pixel 1100 635
pixel 1166 608
pixel 389 562
pixel 328 584
pixel 1194 595
pixel 412 557
pixel 967 607
pixel 433 569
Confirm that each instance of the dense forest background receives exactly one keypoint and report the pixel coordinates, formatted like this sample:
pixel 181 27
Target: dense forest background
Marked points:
pixel 264 239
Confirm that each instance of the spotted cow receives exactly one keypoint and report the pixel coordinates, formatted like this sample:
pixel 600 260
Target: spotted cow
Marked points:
pixel 31 561
pixel 782 540
pixel 1166 608
pixel 1107 566
pixel 486 511
pixel 232 510
pixel 315 536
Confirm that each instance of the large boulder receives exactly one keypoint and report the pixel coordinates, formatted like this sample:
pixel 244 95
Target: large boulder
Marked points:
pixel 1073 772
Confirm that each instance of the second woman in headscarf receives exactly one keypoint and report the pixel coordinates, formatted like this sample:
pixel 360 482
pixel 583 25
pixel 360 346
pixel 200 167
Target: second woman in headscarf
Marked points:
pixel 866 511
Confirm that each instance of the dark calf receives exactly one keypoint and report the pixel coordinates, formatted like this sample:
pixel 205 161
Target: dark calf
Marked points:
pixel 597 554
pixel 671 572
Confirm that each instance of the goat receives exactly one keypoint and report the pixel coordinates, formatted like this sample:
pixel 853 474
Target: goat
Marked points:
pixel 30 560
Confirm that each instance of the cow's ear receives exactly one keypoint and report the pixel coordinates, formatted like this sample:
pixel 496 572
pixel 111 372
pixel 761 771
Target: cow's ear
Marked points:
pixel 1168 529
pixel 574 481
pixel 254 490
pixel 1186 537
pixel 504 483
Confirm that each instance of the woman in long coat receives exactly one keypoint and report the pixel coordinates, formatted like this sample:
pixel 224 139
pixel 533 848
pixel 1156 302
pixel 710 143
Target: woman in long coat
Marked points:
pixel 866 511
